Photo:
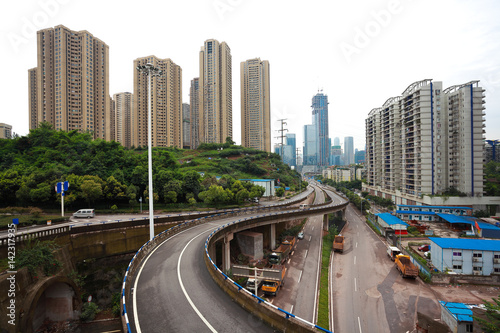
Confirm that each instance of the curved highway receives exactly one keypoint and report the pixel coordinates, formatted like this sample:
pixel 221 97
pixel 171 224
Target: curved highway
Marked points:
pixel 173 291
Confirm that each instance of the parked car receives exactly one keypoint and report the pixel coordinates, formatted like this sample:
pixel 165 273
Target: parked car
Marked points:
pixel 300 235
pixel 424 248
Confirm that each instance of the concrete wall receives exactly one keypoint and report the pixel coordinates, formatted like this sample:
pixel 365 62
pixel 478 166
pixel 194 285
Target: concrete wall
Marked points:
pixel 251 244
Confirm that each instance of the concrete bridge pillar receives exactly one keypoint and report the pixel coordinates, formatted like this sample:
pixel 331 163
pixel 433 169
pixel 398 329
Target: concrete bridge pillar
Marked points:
pixel 272 235
pixel 226 252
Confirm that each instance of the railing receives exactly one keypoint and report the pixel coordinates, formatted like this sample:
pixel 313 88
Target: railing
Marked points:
pixel 266 306
pixel 151 244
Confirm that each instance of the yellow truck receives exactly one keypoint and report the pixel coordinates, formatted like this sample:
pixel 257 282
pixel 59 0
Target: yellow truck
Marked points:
pixel 406 267
pixel 271 287
pixel 338 243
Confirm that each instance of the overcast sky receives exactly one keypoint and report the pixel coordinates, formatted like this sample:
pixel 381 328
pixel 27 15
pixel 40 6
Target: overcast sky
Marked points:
pixel 359 53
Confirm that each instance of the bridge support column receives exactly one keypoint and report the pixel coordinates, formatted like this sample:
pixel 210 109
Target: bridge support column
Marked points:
pixel 325 222
pixel 272 236
pixel 226 252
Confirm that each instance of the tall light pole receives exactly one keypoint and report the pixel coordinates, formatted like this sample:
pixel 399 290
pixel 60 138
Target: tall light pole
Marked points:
pixel 149 70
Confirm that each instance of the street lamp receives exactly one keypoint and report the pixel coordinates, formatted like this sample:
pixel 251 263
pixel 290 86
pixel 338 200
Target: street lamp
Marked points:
pixel 149 70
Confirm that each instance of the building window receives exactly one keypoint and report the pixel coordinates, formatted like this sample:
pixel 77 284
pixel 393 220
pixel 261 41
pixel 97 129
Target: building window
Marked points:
pixel 477 255
pixel 468 328
pixel 457 254
pixel 458 267
pixel 477 268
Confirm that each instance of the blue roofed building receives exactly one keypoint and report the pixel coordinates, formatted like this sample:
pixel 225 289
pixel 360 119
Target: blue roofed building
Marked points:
pixel 466 256
pixel 458 316
pixel 267 184
pixel 428 213
pixel 389 221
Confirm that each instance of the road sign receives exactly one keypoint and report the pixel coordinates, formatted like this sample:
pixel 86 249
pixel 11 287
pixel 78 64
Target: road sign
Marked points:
pixel 15 221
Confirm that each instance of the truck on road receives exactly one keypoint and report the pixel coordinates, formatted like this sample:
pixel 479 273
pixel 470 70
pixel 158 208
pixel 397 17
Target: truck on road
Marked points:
pixel 405 266
pixel 271 287
pixel 338 243
pixel 392 252
pixel 280 254
pixel 289 240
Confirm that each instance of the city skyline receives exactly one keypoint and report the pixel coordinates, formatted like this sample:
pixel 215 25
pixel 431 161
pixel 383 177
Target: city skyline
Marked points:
pixel 347 59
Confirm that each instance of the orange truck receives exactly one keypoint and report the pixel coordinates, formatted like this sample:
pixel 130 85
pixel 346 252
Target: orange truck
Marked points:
pixel 338 243
pixel 271 287
pixel 289 240
pixel 405 266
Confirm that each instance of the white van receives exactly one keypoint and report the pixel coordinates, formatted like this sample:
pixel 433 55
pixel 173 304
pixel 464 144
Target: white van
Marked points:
pixel 303 206
pixel 88 213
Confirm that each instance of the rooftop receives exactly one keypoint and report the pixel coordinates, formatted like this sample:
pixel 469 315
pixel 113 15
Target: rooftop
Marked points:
pixel 460 311
pixel 467 244
pixel 391 219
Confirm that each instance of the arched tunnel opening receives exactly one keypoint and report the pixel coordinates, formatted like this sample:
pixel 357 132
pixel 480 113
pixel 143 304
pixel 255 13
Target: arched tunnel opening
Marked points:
pixel 57 303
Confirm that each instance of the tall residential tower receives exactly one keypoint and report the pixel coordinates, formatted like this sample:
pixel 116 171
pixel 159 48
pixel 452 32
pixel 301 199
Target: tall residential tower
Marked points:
pixel 166 104
pixel 69 88
pixel 255 105
pixel 427 141
pixel 215 88
pixel 123 111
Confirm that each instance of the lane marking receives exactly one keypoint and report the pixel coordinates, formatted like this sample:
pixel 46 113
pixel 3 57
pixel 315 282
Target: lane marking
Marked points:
pixel 312 228
pixel 136 315
pixel 359 324
pixel 289 261
pixel 300 276
pixel 356 244
pixel 184 289
pixel 354 260
pixel 291 310
pixel 355 285
pixel 310 238
pixel 306 253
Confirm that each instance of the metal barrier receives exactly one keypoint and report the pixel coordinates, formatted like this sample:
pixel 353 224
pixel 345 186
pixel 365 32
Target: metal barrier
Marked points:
pixel 151 244
pixel 261 301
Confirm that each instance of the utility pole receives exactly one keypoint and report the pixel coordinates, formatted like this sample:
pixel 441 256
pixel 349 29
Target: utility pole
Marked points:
pixel 282 136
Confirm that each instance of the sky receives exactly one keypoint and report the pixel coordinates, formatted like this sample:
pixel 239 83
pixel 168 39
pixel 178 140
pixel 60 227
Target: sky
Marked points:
pixel 359 53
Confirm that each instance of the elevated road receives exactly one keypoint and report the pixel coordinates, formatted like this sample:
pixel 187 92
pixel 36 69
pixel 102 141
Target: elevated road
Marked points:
pixel 173 291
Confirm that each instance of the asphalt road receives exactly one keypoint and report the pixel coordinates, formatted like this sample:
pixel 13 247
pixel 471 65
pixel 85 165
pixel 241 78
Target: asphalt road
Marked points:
pixel 299 295
pixel 174 292
pixel 369 295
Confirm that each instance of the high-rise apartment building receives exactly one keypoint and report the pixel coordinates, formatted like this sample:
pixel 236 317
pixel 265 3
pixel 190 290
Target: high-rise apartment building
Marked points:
pixel 427 141
pixel 320 121
pixel 166 104
pixel 255 105
pixel 123 110
pixel 194 106
pixel 348 150
pixel 69 88
pixel 5 131
pixel 186 126
pixel 215 101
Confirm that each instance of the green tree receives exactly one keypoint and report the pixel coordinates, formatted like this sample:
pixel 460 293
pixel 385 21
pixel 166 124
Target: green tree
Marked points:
pixel 216 195
pixel 171 196
pixel 91 190
pixel 280 191
pixel 492 322
pixel 113 190
pixel 192 183
pixel 41 194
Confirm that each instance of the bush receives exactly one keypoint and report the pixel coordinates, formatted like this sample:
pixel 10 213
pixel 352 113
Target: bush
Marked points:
pixel 89 311
pixel 39 255
pixel 114 207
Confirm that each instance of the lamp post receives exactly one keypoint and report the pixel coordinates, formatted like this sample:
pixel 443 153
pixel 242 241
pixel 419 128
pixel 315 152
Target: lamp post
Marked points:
pixel 149 70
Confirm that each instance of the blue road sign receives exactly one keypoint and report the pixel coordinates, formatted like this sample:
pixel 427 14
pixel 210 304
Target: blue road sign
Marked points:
pixel 15 221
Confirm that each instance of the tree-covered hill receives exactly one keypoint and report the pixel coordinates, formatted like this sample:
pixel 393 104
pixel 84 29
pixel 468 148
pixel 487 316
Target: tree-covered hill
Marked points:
pixel 105 173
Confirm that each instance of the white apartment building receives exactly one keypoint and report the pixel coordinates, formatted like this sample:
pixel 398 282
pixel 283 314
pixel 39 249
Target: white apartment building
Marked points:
pixel 426 141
